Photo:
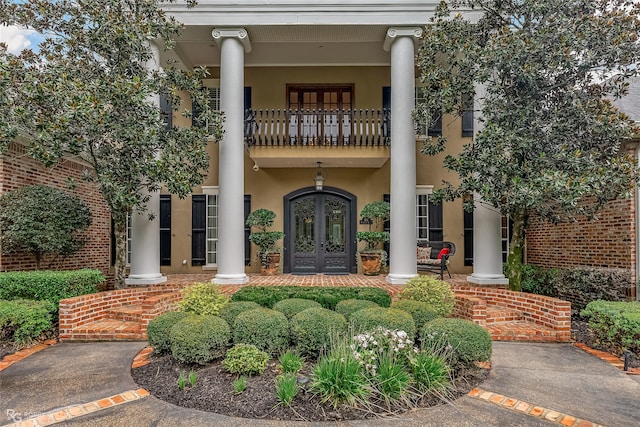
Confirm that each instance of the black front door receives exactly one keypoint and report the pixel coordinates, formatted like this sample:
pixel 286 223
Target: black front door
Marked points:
pixel 319 234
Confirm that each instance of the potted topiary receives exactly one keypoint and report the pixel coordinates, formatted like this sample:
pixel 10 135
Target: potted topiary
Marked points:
pixel 373 258
pixel 265 240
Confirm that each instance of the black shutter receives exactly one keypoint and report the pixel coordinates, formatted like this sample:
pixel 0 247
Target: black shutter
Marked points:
pixel 468 238
pixel 386 111
pixel 198 229
pixel 165 229
pixel 113 243
pixel 436 125
pixel 467 115
pixel 387 224
pixel 435 222
pixel 247 230
pixel 165 110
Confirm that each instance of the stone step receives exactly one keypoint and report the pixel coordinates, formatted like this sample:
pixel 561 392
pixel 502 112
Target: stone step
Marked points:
pixel 498 313
pixel 126 313
pixel 522 331
pixel 108 330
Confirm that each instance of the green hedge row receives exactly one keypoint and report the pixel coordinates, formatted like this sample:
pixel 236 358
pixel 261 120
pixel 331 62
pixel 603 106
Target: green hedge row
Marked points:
pixel 50 286
pixel 579 285
pixel 22 321
pixel 328 297
pixel 615 324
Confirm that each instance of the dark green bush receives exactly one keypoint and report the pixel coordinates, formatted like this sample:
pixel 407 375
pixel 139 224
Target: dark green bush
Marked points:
pixel 615 324
pixel 328 297
pixel 245 359
pixel 581 285
pixel 350 306
pixel 537 280
pixel 22 321
pixel 421 312
pixel 265 328
pixel 292 306
pixel 230 311
pixel 49 285
pixel 311 329
pixel 469 342
pixel 199 339
pixel 369 319
pixel 158 330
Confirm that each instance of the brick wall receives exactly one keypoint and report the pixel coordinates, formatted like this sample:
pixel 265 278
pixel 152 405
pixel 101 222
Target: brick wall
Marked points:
pixel 18 169
pixel 608 241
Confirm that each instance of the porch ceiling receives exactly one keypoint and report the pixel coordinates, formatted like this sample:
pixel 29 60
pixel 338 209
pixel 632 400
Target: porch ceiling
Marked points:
pixel 308 157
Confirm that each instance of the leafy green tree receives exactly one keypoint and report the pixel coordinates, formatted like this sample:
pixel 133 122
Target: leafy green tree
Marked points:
pixel 544 71
pixel 42 221
pixel 87 91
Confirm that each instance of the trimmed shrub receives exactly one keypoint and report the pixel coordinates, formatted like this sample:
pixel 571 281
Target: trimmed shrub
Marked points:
pixel 158 330
pixel 435 292
pixel 202 298
pixel 581 285
pixel 49 285
pixel 420 311
pixel 328 297
pixel 265 328
pixel 537 280
pixel 199 339
pixel 469 342
pixel 311 329
pixel 350 306
pixel 369 319
pixel 232 309
pixel 615 324
pixel 24 320
pixel 245 359
pixel 292 306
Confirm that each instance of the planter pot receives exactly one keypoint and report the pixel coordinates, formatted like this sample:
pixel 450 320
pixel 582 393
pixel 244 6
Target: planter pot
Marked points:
pixel 371 263
pixel 272 266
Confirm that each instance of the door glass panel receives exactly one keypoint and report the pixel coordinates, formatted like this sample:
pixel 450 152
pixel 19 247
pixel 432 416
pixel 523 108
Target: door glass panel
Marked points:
pixel 334 233
pixel 305 212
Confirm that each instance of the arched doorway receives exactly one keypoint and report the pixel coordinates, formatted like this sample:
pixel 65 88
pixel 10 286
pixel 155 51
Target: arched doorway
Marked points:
pixel 320 229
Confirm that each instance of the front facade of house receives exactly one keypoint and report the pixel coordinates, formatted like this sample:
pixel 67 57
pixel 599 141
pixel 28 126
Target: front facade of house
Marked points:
pixel 308 89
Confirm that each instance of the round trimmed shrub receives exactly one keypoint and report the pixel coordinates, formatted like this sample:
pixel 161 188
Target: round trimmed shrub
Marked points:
pixel 420 311
pixel 292 306
pixel 202 298
pixel 265 328
pixel 369 319
pixel 468 341
pixel 245 359
pixel 231 310
pixel 312 328
pixel 350 306
pixel 158 330
pixel 199 339
pixel 435 292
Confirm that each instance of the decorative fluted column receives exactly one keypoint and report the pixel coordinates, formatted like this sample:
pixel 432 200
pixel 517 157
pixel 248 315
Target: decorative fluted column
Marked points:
pixel 145 233
pixel 233 43
pixel 487 226
pixel 402 259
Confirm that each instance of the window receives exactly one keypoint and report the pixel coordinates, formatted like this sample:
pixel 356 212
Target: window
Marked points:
pixel 435 128
pixel 213 87
pixel 212 226
pixel 428 215
pixel 507 230
pixel 165 110
pixel 204 227
pixel 468 238
pixel 467 115
pixel 165 229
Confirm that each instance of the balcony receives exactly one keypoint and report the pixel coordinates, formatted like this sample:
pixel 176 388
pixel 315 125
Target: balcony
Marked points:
pixel 309 128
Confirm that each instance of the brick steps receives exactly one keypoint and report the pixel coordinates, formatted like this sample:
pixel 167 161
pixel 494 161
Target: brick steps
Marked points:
pixel 521 331
pixel 499 314
pixel 109 330
pixel 126 313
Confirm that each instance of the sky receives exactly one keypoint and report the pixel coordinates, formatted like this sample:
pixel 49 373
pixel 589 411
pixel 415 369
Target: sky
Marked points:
pixel 18 39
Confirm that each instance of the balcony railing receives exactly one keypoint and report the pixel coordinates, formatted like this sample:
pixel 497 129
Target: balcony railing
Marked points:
pixel 317 127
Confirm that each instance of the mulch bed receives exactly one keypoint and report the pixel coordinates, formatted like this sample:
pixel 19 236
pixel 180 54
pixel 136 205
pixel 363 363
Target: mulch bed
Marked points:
pixel 213 392
pixel 580 333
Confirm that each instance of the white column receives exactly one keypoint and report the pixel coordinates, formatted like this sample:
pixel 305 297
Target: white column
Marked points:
pixel 233 43
pixel 145 233
pixel 487 226
pixel 402 259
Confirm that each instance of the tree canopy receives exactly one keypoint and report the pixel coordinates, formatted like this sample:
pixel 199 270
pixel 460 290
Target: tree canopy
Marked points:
pixel 544 73
pixel 88 91
pixel 41 221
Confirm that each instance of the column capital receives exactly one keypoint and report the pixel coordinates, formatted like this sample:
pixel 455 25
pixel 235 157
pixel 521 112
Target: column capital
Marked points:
pixel 394 33
pixel 238 33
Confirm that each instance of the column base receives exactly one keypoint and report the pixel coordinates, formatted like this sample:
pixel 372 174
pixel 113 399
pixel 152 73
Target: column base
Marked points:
pixel 230 279
pixel 488 279
pixel 144 279
pixel 399 279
